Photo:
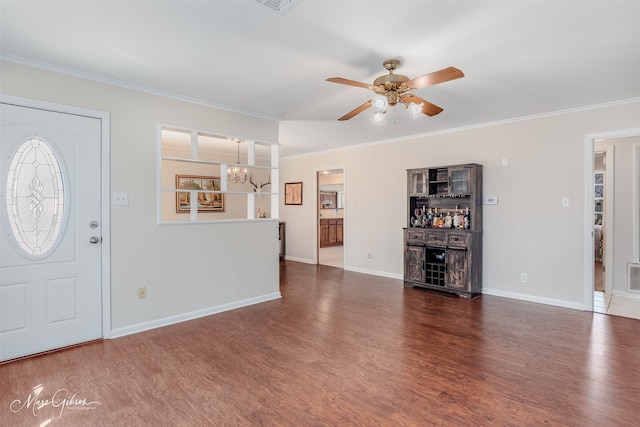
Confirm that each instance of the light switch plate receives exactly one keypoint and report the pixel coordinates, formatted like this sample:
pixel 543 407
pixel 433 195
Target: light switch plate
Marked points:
pixel 565 202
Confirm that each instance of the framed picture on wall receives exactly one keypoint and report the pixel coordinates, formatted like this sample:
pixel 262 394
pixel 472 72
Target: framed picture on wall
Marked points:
pixel 207 202
pixel 293 193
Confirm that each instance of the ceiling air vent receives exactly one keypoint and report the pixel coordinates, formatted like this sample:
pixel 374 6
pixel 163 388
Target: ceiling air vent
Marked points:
pixel 280 6
pixel 634 278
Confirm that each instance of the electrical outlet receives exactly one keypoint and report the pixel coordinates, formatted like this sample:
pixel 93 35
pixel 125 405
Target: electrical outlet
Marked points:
pixel 369 256
pixel 523 277
pixel 120 199
pixel 142 292
pixel 491 200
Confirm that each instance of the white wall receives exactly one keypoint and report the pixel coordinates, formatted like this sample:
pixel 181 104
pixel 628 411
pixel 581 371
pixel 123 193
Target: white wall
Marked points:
pixel 528 231
pixel 188 270
pixel 623 202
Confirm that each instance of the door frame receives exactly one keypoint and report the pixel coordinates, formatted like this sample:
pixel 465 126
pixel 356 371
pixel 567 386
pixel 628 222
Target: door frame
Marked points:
pixel 105 178
pixel 588 255
pixel 607 224
pixel 316 209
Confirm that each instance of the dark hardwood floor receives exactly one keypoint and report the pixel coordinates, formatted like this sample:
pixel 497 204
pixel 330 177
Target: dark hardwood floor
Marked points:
pixel 345 349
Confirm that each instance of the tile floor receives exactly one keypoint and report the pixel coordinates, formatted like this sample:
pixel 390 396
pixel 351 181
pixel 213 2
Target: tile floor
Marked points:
pixel 612 304
pixel 601 302
pixel 332 256
pixel 616 305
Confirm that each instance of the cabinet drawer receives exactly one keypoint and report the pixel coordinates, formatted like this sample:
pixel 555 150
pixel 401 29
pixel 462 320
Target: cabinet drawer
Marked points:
pixel 436 239
pixel 415 237
pixel 458 240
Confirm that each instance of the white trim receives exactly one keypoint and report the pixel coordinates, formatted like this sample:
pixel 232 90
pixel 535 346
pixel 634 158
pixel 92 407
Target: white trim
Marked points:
pixel 316 233
pixel 105 143
pixel 297 259
pixel 589 239
pixel 607 226
pixel 355 270
pixel 539 300
pixel 126 85
pixel 159 323
pixel 625 294
pixel 217 221
pixel 588 255
pixel 375 273
pixel 316 224
pixel 106 223
pixel 635 189
pixel 158 180
pixel 275 180
pixel 471 127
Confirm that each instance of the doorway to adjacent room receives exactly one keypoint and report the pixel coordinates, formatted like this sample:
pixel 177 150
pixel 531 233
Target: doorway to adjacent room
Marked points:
pixel 330 217
pixel 614 196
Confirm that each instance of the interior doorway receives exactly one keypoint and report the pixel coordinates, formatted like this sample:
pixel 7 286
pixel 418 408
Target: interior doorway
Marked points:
pixel 612 178
pixel 330 217
pixel 601 211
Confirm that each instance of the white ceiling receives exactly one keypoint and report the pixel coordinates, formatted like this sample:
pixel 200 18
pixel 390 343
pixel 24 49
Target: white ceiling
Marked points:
pixel 520 58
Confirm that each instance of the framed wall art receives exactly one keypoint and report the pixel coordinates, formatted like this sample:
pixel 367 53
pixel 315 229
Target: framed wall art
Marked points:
pixel 293 193
pixel 207 202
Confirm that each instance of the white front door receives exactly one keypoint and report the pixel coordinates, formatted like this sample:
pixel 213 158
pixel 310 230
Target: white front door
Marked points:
pixel 50 219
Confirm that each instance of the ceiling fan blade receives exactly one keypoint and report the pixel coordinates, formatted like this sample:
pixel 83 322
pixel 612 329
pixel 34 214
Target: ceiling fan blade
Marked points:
pixel 441 76
pixel 348 82
pixel 356 111
pixel 427 108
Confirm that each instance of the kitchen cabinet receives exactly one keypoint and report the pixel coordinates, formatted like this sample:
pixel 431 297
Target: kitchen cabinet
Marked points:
pixel 331 232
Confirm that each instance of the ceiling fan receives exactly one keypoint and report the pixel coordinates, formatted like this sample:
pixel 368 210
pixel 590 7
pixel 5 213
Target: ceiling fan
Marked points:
pixel 393 88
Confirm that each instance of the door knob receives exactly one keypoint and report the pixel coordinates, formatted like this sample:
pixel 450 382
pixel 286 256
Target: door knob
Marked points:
pixel 94 240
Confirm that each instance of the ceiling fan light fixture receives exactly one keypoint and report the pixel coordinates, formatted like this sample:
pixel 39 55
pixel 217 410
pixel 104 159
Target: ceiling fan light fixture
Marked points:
pixel 379 104
pixel 415 109
pixel 378 117
pixel 392 89
pixel 280 6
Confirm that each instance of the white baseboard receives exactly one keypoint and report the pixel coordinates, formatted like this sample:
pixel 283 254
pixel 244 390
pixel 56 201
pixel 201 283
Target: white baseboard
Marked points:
pixel 625 294
pixel 488 291
pixel 532 298
pixel 354 269
pixel 305 260
pixel 375 273
pixel 158 323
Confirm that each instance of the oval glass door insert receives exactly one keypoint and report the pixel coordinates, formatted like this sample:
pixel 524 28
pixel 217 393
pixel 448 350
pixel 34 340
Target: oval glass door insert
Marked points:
pixel 35 198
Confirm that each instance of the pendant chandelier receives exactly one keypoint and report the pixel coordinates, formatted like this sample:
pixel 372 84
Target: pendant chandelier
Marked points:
pixel 236 174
